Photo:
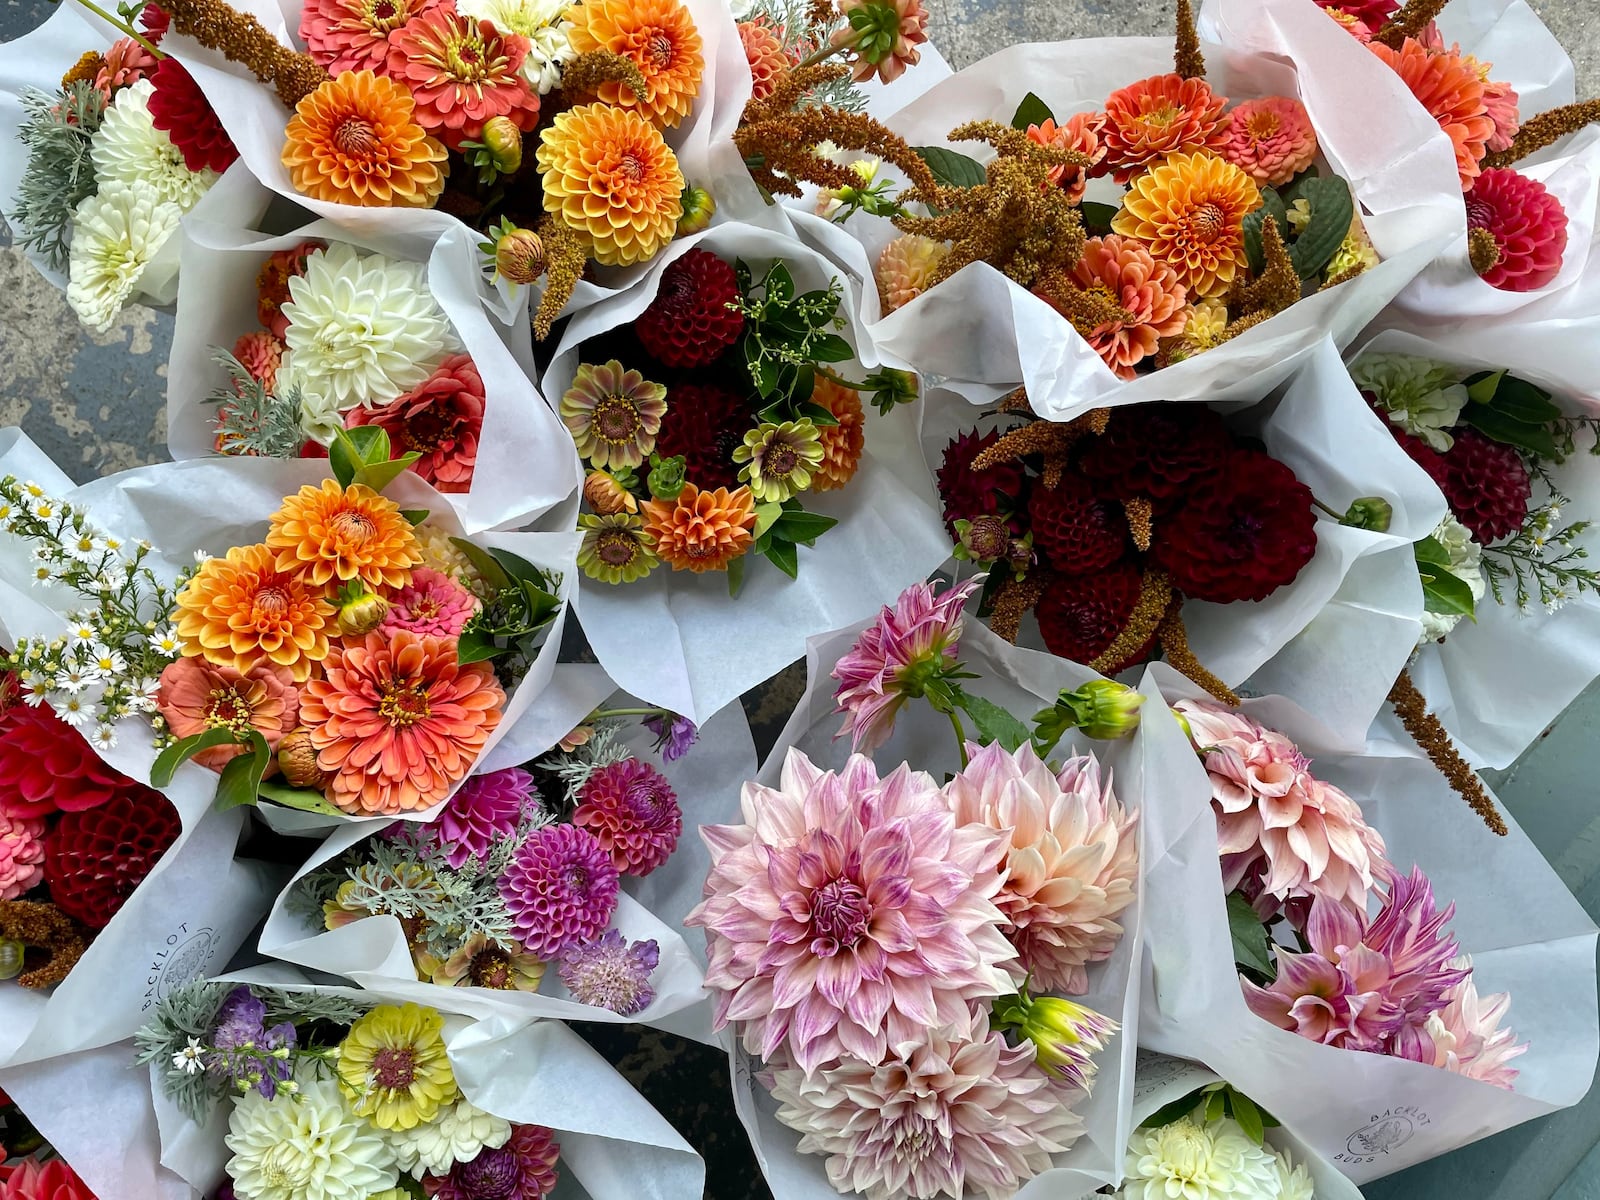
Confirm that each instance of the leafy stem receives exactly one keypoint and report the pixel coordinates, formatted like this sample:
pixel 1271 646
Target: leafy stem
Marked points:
pixel 126 27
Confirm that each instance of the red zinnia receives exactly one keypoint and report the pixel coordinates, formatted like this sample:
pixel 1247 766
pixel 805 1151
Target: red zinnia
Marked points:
pixel 1078 532
pixel 705 424
pixel 1080 618
pixel 441 419
pixel 1528 224
pixel 968 493
pixel 46 766
pixel 689 323
pixel 1157 451
pixel 180 109
pixel 94 859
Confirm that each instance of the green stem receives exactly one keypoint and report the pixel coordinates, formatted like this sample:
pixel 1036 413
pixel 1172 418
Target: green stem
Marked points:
pixel 124 26
pixel 826 51
pixel 1337 516
pixel 603 713
pixel 841 380
pixel 961 736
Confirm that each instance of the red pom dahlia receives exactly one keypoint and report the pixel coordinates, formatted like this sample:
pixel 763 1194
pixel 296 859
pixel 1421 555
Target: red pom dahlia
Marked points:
pixel 1078 532
pixel 46 766
pixel 632 810
pixel 441 419
pixel 461 72
pixel 968 494
pixel 1486 485
pixel 1080 618
pixel 689 323
pixel 94 859
pixel 705 424
pixel 180 109
pixel 1528 224
pixel 1162 115
pixel 1158 452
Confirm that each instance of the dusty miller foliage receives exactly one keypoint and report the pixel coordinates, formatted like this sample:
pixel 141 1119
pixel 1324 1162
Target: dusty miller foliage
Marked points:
pixel 252 421
pixel 791 20
pixel 574 768
pixel 56 129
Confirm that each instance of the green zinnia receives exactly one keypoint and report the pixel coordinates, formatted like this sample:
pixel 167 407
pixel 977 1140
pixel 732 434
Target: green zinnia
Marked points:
pixel 779 459
pixel 616 548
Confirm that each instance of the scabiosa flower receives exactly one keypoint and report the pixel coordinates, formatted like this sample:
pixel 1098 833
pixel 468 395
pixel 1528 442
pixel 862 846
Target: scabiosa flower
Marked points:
pixel 690 323
pixel 560 889
pixel 129 148
pixel 1078 531
pixel 393 1067
pixel 461 73
pixel 1080 617
pixel 615 548
pixel 658 37
pixel 524 1168
pixel 459 1133
pixel 1189 210
pixel 1484 482
pixel 313 1149
pixel 242 609
pixel 1081 132
pixel 705 423
pixel 610 973
pixel 196 696
pixel 779 458
pixel 21 854
pixel 484 809
pixel 632 810
pixel 955 1111
pixel 331 535
pixel 94 859
pixel 1423 397
pixel 674 735
pixel 613 414
pixel 46 767
pixel 763 50
pixel 543 23
pixel 353 35
pixel 969 494
pixel 703 529
pixel 441 419
pixel 1164 115
pixel 1528 224
pixel 883 36
pixel 849 914
pixel 1451 89
pixel 1467 1037
pixel 115 234
pixel 1123 271
pixel 356 140
pixel 432 605
pixel 244 1051
pixel 1270 139
pixel 180 110
pixel 905 268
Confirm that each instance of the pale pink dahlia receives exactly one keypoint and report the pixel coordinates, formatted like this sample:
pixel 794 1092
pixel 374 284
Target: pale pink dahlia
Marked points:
pixel 1123 271
pixel 1467 1037
pixel 632 810
pixel 484 809
pixel 1270 140
pixel 1072 859
pixel 1278 828
pixel 956 1112
pixel 1081 133
pixel 560 889
pixel 21 855
pixel 1528 224
pixel 431 605
pixel 849 914
pixel 353 35
pixel 911 645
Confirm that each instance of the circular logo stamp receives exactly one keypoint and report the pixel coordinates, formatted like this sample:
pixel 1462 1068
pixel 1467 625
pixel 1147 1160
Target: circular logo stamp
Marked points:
pixel 183 958
pixel 1388 1132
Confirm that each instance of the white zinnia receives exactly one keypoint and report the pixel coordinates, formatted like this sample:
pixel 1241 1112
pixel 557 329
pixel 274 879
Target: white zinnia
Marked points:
pixel 457 1135
pixel 1214 1161
pixel 115 234
pixel 543 23
pixel 1466 564
pixel 363 328
pixel 309 1147
pixel 128 148
pixel 1423 397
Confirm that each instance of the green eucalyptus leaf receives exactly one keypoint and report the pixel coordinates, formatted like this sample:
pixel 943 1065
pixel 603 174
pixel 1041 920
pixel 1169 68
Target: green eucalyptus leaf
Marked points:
pixel 952 168
pixel 1032 111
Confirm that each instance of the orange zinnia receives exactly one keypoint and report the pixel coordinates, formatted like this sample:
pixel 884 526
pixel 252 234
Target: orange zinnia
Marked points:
pixel 242 610
pixel 397 721
pixel 1451 89
pixel 658 37
pixel 1162 115
pixel 841 443
pixel 331 535
pixel 355 140
pixel 1189 211
pixel 701 531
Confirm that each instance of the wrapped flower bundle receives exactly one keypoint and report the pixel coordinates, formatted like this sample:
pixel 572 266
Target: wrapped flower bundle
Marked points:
pixel 31 1170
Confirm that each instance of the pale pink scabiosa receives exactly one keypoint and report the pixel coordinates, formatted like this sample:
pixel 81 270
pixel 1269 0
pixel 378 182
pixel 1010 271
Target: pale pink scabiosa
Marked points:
pixel 610 973
pixel 1072 858
pixel 1467 1037
pixel 1271 139
pixel 910 646
pixel 431 605
pixel 849 914
pixel 560 889
pixel 1528 224
pixel 633 812
pixel 522 1169
pixel 484 809
pixel 954 1112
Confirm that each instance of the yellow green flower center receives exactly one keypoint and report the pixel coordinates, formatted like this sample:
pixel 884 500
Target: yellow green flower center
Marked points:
pixel 1262 124
pixel 403 705
pixel 385 16
pixel 227 709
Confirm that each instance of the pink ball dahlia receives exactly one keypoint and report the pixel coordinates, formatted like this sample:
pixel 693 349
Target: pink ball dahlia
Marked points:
pixel 1081 132
pixel 484 809
pixel 1270 140
pixel 956 1112
pixel 431 605
pixel 1123 270
pixel 632 810
pixel 21 854
pixel 1072 862
pixel 1528 224
pixel 560 889
pixel 1467 1037
pixel 523 1169
pixel 850 914
pixel 353 35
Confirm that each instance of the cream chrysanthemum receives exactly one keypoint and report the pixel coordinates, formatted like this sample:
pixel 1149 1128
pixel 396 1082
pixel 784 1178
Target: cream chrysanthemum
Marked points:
pixel 313 1148
pixel 128 148
pixel 543 22
pixel 456 1135
pixel 363 328
pixel 115 234
pixel 1209 1161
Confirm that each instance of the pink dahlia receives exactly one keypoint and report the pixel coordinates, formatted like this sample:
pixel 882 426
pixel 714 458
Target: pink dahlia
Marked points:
pixel 1122 270
pixel 1072 858
pixel 1501 100
pixel 485 809
pixel 1081 133
pixel 911 645
pixel 850 914
pixel 633 811
pixel 21 854
pixel 431 605
pixel 954 1112
pixel 1278 828
pixel 1529 226
pixel 353 35
pixel 441 419
pixel 1270 140
pixel 523 1169
pixel 461 72
pixel 1467 1037
pixel 261 354
pixel 560 889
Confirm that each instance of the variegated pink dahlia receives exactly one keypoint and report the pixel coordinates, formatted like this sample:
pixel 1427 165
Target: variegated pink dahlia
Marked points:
pixel 1467 1037
pixel 631 808
pixel 1271 139
pixel 1072 860
pixel 1122 270
pixel 849 914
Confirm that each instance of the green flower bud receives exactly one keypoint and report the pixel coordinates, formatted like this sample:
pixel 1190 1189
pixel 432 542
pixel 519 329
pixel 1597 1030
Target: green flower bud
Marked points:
pixel 362 614
pixel 503 140
pixel 699 206
pixel 1108 709
pixel 667 477
pixel 1065 1036
pixel 1369 512
pixel 12 953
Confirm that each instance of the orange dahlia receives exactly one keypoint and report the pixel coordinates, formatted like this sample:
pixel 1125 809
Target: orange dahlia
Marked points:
pixel 608 173
pixel 462 73
pixel 397 721
pixel 701 531
pixel 242 610
pixel 1082 133
pixel 1123 271
pixel 841 443
pixel 1451 89
pixel 331 535
pixel 355 140
pixel 1189 211
pixel 763 50
pixel 658 37
pixel 1162 115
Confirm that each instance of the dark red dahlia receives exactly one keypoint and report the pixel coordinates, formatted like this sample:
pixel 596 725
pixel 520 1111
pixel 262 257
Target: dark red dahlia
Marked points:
pixel 968 494
pixel 1485 485
pixel 94 859
pixel 46 766
pixel 1528 224
pixel 155 20
pixel 1077 532
pixel 1240 536
pixel 689 323
pixel 705 425
pixel 1080 618
pixel 1156 451
pixel 180 109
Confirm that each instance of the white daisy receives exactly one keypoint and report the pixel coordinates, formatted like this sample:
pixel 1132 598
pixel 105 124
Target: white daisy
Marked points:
pixel 42 573
pixel 73 679
pixel 115 234
pixel 142 694
pixel 201 556
pixel 543 23
pixel 82 545
pixel 165 641
pixel 108 661
pixel 83 632
pixel 74 710
pixel 41 552
pixel 128 148
pixel 104 737
pixel 34 685
pixel 187 1061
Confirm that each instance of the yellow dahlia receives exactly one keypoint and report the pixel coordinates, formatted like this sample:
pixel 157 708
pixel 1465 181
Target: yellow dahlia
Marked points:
pixel 701 530
pixel 355 140
pixel 243 610
pixel 841 443
pixel 331 535
pixel 905 267
pixel 658 37
pixel 607 173
pixel 1189 211
pixel 393 1066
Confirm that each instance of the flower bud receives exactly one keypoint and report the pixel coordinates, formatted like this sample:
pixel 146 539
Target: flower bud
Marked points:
pixel 297 759
pixel 606 496
pixel 362 614
pixel 503 140
pixel 578 737
pixel 1107 709
pixel 12 953
pixel 1369 512
pixel 984 539
pixel 519 256
pixel 1065 1036
pixel 699 206
pixel 667 477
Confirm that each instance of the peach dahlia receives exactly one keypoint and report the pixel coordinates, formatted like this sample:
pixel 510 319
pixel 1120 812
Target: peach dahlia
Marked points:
pixel 701 530
pixel 658 37
pixel 242 610
pixel 355 140
pixel 1189 212
pixel 1122 271
pixel 1452 91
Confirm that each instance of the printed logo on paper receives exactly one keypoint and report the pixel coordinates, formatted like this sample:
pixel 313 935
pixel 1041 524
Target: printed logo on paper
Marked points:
pixel 1387 1131
pixel 184 957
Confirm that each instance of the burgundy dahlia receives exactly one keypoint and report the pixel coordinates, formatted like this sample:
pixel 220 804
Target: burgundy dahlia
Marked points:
pixel 633 811
pixel 47 767
pixel 1080 618
pixel 705 424
pixel 1157 451
pixel 1528 224
pixel 1486 486
pixel 560 889
pixel 180 109
pixel 689 323
pixel 1077 531
pixel 94 859
pixel 523 1169
pixel 969 494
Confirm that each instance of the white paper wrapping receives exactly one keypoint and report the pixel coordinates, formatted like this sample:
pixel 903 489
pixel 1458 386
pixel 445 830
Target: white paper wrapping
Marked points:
pixel 679 640
pixel 1369 1114
pixel 526 467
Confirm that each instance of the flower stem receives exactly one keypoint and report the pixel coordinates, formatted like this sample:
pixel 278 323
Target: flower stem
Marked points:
pixel 1337 516
pixel 833 377
pixel 961 736
pixel 124 26
pixel 826 51
pixel 602 714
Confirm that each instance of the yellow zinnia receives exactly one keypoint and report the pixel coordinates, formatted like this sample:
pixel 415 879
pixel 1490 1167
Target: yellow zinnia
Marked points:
pixel 394 1068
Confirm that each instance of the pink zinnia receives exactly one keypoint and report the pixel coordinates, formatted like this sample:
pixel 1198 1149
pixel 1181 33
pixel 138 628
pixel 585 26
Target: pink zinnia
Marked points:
pixel 1081 133
pixel 461 72
pixel 1528 224
pixel 633 811
pixel 849 914
pixel 1123 270
pixel 523 1169
pixel 1501 100
pixel 353 35
pixel 261 354
pixel 432 604
pixel 126 62
pixel 21 854
pixel 910 646
pixel 1270 140
pixel 484 809
pixel 560 889
pixel 441 419
pixel 1467 1037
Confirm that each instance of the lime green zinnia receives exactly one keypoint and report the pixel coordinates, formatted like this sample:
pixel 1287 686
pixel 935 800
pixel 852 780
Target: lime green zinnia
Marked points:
pixel 393 1066
pixel 616 548
pixel 779 459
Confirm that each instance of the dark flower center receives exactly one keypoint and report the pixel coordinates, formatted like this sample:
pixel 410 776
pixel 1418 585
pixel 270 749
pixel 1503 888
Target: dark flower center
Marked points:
pixel 1479 214
pixel 616 549
pixel 394 1067
pixel 576 878
pixel 616 420
pixel 779 461
pixel 426 431
pixel 838 917
pixel 229 709
pixel 491 968
pixel 356 137
pixel 648 801
pixel 492 1175
pixel 403 705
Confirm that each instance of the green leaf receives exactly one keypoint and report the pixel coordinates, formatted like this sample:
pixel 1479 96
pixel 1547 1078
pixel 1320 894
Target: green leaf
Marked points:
pixel 371 444
pixel 1271 206
pixel 831 348
pixel 994 723
pixel 767 516
pixel 952 168
pixel 242 776
pixel 378 476
pixel 1248 1115
pixel 486 564
pixel 182 750
pixel 1292 190
pixel 800 526
pixel 736 574
pixel 1251 945
pixel 1523 401
pixel 473 646
pixel 1032 111
pixel 305 799
pixel 1535 439
pixel 819 416
pixel 785 556
pixel 1445 593
pixel 1431 550
pixel 415 515
pixel 1332 211
pixel 1216 1106
pixel 779 283
pixel 1174 1111
pixel 1482 386
pixel 344 459
pixel 1097 217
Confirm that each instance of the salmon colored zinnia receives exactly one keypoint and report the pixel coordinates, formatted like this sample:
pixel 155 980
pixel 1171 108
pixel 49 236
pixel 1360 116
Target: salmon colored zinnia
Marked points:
pixel 196 696
pixel 701 530
pixel 331 535
pixel 1189 211
pixel 1122 271
pixel 461 73
pixel 356 140
pixel 1081 132
pixel 1271 139
pixel 658 37
pixel 841 443
pixel 241 610
pixel 1162 115
pixel 1450 88
pixel 397 721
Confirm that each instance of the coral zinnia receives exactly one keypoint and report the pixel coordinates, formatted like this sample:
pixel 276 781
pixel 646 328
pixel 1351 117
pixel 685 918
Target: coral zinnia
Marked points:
pixel 904 268
pixel 608 174
pixel 560 889
pixel 331 535
pixel 393 1067
pixel 968 494
pixel 94 859
pixel 705 423
pixel 46 766
pixel 691 321
pixel 1079 618
pixel 1528 224
pixel 613 414
pixel 1157 451
pixel 1270 139
pixel 461 73
pixel 763 50
pixel 356 140
pixel 260 354
pixel 441 419
pixel 244 609
pixel 195 696
pixel 632 810
pixel 1123 272
pixel 1081 133
pixel 353 35
pixel 702 530
pixel 126 63
pixel 1160 116
pixel 432 605
pixel 843 442
pixel 180 109
pixel 1451 89
pixel 658 37
pixel 1189 210
pixel 1078 531
pixel 397 721
pixel 522 1169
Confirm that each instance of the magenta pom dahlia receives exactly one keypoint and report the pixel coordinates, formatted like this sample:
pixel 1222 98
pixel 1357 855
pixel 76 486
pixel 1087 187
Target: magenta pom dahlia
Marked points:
pixel 484 809
pixel 560 889
pixel 1528 224
pixel 632 810
pixel 523 1169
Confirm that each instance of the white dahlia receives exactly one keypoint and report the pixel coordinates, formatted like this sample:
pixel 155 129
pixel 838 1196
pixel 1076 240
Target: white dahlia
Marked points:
pixel 456 1135
pixel 1294 1180
pixel 543 23
pixel 115 234
pixel 1210 1161
pixel 305 1147
pixel 128 148
pixel 363 328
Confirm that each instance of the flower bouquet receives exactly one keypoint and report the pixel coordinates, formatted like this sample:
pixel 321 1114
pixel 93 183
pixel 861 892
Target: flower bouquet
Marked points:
pixel 30 1168
pixel 1294 933
pixel 105 143
pixel 729 412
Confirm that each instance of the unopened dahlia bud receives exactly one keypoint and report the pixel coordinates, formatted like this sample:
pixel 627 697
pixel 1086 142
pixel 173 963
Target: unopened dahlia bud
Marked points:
pixel 984 539
pixel 519 256
pixel 1065 1036
pixel 606 496
pixel 503 140
pixel 362 614
pixel 297 759
pixel 699 206
pixel 668 477
pixel 1107 709
pixel 11 956
pixel 1369 512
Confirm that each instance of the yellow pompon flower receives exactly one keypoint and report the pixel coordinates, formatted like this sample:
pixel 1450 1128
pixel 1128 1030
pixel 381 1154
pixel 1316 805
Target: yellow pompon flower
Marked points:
pixel 658 37
pixel 1189 210
pixel 330 535
pixel 393 1066
pixel 608 174
pixel 355 140
pixel 243 610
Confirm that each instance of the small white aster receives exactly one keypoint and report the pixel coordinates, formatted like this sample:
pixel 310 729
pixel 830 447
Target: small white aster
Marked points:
pixel 74 710
pixel 104 737
pixel 165 640
pixel 107 661
pixel 187 1061
pixel 43 573
pixel 74 679
pixel 201 556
